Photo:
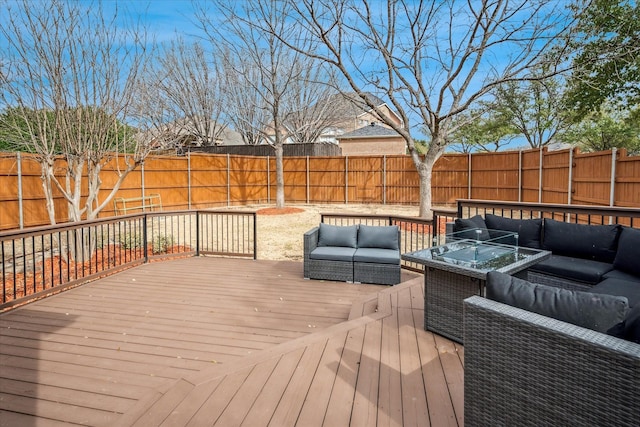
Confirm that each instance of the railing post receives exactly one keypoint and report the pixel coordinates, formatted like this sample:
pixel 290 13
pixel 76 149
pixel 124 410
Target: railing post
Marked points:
pixel 144 236
pixel 198 236
pixel 255 236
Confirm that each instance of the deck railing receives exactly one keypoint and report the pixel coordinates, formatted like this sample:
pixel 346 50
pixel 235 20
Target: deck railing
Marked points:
pixel 579 214
pixel 416 233
pixel 43 260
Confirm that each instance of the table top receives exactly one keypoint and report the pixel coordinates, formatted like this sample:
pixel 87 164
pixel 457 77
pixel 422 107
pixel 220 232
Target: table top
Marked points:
pixel 475 258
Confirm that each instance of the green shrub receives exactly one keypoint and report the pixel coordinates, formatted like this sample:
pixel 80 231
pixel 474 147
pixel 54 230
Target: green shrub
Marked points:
pixel 161 243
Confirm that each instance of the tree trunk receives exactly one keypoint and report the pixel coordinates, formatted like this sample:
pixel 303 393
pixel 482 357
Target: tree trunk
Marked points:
pixel 425 172
pixel 279 176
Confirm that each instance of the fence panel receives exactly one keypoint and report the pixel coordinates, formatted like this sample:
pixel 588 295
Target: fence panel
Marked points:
pixel 495 176
pixel 627 186
pixel 555 176
pixel 366 179
pixel 402 181
pixel 450 180
pixel 208 180
pixel 327 180
pixel 592 178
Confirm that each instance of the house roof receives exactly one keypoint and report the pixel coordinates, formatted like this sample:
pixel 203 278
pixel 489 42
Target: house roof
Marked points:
pixel 371 131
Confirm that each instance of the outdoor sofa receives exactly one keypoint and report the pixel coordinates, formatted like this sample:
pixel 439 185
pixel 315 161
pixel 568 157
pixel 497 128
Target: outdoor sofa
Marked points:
pixel 541 355
pixel 354 253
pixel 596 258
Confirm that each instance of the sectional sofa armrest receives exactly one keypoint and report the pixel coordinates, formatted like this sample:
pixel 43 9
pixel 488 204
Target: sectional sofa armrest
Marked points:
pixel 521 366
pixel 310 241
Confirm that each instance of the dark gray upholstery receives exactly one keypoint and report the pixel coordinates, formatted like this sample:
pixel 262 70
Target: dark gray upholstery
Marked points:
pixel 595 242
pixel 598 312
pixel 336 253
pixel 579 269
pixel 628 254
pixel 629 328
pixel 618 274
pixel 378 237
pixel 529 230
pixel 376 255
pixel 626 288
pixel 464 224
pixel 335 235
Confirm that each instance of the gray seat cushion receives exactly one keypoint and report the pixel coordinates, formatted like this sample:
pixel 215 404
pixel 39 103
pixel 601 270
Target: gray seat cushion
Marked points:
pixel 578 269
pixel 333 253
pixel 619 274
pixel 384 237
pixel 625 288
pixel 336 235
pixel 598 312
pixel 377 255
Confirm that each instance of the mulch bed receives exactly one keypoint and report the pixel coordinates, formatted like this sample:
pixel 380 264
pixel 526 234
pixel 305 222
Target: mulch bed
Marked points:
pixel 279 211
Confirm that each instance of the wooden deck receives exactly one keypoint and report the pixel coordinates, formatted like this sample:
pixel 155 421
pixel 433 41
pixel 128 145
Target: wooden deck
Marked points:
pixel 227 342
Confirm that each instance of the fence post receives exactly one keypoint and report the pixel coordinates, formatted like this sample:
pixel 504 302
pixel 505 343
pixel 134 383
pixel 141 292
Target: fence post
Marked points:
pixel 519 175
pixel 540 178
pixel 142 184
pixel 346 180
pixel 469 177
pixel 307 179
pixel 268 180
pixel 570 186
pixel 612 191
pixel 228 180
pixel 384 179
pixel 20 198
pixel 189 179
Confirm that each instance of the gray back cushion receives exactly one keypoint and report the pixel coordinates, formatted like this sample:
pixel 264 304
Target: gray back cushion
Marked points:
pixel 382 237
pixel 468 224
pixel 338 235
pixel 529 230
pixel 596 242
pixel 628 254
pixel 598 312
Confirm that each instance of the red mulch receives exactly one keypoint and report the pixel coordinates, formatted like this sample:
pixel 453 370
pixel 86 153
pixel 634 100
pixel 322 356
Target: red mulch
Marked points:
pixel 279 211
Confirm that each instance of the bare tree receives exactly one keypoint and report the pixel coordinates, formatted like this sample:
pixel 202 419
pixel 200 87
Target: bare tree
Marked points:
pixel 264 66
pixel 68 72
pixel 432 60
pixel 180 97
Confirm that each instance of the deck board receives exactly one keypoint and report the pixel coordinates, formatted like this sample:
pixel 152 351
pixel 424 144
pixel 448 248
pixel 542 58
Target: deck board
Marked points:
pixel 215 341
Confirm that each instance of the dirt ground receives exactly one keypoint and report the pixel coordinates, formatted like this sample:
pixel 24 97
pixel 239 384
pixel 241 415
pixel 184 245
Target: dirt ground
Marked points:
pixel 280 235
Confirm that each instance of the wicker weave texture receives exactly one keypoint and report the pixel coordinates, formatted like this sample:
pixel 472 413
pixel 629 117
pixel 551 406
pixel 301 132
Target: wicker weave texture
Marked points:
pixel 444 292
pixel 523 369
pixel 559 282
pixel 380 274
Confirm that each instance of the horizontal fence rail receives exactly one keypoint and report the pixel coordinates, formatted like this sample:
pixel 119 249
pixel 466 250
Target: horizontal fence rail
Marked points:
pixel 415 233
pixel 44 260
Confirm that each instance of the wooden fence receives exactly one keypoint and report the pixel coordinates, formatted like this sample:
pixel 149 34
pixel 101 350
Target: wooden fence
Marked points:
pixel 197 181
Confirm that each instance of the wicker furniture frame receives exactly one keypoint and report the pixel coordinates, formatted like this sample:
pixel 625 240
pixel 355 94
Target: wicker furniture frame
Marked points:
pixel 446 286
pixel 344 271
pixel 524 369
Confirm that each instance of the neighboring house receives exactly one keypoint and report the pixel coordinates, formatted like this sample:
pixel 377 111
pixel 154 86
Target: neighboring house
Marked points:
pixel 182 135
pixel 372 139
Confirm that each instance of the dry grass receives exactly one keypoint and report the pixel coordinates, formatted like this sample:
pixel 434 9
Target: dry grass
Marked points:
pixel 280 236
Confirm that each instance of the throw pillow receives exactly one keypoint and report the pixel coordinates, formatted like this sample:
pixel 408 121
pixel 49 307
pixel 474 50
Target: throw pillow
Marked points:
pixel 598 312
pixel 336 235
pixel 382 237
pixel 627 254
pixel 529 230
pixel 466 226
pixel 596 242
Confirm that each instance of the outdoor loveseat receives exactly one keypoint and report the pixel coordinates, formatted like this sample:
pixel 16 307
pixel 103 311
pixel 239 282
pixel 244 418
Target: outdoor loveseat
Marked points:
pixel 354 253
pixel 540 355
